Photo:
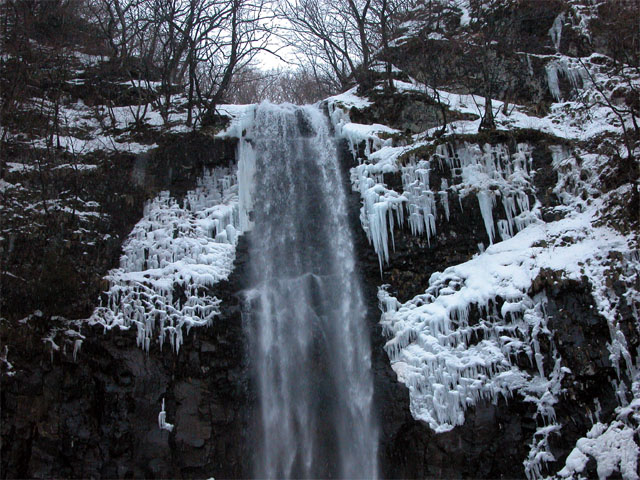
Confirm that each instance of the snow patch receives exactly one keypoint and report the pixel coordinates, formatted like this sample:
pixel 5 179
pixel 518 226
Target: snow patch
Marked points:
pixel 612 446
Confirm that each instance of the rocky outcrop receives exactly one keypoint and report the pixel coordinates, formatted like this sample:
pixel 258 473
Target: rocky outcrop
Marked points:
pixel 91 410
pixel 495 438
pixel 96 416
pixel 56 260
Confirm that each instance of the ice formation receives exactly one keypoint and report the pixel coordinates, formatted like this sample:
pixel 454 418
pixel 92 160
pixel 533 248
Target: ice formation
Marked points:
pixel 569 68
pixel 8 366
pixel 450 359
pixel 612 446
pixel 162 420
pixel 171 259
pixel 489 172
pixel 555 32
pixel 464 340
pixel 380 206
pixel 475 334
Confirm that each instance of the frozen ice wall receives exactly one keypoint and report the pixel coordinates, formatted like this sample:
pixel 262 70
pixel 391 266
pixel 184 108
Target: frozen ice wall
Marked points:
pixel 171 259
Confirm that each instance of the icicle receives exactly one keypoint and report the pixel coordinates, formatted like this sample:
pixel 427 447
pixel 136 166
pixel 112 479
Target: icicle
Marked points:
pixel 444 197
pixel 76 348
pixel 162 420
pixel 574 72
pixel 552 81
pixel 510 210
pixel 171 246
pixel 555 32
pixel 487 201
pixel 523 202
pixel 444 200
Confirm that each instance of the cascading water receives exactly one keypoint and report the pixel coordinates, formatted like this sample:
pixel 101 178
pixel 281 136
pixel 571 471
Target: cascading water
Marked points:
pixel 311 349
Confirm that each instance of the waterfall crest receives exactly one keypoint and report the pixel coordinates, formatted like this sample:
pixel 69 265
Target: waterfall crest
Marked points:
pixel 310 350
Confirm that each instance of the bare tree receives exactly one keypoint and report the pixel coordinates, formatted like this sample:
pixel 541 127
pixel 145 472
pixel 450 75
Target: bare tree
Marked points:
pixel 252 85
pixel 432 65
pixel 333 37
pixel 341 39
pixel 487 49
pixel 117 19
pixel 228 49
pixel 189 45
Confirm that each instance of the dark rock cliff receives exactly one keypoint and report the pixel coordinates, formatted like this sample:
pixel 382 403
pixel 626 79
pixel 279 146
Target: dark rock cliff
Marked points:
pixel 94 413
pixel 95 416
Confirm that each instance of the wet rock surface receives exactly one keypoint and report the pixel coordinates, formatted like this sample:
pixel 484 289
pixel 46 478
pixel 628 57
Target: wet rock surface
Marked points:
pixel 97 416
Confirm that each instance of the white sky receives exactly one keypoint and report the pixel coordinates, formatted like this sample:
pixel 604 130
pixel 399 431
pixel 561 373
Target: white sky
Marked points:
pixel 267 61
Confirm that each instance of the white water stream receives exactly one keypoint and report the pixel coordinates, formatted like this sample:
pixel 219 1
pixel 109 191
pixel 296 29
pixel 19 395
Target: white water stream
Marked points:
pixel 311 350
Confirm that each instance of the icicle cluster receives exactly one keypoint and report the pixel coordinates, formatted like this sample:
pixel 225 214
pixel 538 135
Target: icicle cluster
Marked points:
pixel 450 363
pixel 492 172
pixel 489 172
pixel 63 335
pixel 382 208
pixel 570 69
pixel 421 201
pixel 171 258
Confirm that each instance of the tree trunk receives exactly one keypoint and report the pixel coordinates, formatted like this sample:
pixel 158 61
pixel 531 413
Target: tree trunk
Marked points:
pixel 385 46
pixel 190 92
pixel 488 122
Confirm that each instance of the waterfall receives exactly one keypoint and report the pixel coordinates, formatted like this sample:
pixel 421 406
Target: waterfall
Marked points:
pixel 310 350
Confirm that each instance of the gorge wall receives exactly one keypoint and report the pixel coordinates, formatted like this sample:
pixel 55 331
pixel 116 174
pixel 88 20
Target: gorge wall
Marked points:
pixel 480 245
pixel 92 410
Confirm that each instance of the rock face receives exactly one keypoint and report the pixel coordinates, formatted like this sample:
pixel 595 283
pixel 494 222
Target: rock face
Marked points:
pixel 66 260
pixel 409 448
pixel 97 416
pixel 495 437
pixel 93 413
pixel 410 113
